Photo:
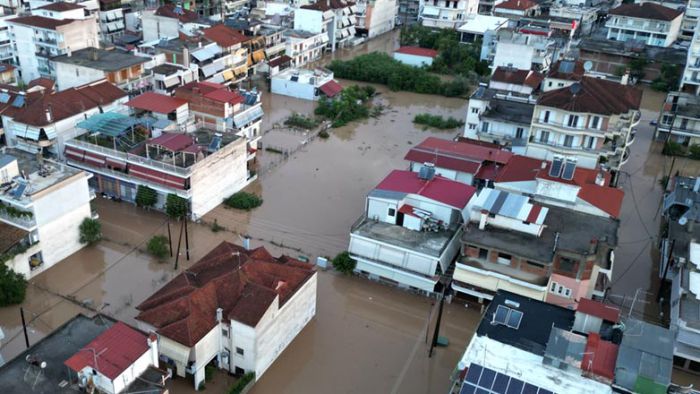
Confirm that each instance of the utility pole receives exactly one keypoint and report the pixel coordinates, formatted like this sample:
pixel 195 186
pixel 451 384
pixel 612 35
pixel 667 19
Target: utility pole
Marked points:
pixel 24 327
pixel 179 242
pixel 662 285
pixel 170 240
pixel 187 239
pixel 436 333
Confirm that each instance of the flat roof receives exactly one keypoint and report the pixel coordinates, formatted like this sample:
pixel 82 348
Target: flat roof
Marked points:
pixel 54 349
pixel 480 24
pixel 101 59
pixel 426 242
pixel 634 50
pixel 566 229
pixel 509 111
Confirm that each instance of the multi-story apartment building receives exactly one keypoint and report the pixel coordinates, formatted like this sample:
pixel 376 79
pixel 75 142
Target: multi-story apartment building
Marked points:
pixel 265 302
pixel 517 9
pixel 336 18
pixel 93 64
pixel 446 14
pixel 112 22
pixel 591 122
pixel 540 251
pixel 239 112
pixel 375 17
pixel 482 28
pixel 168 77
pixel 44 123
pixel 410 231
pixel 649 23
pixel 39 37
pixel 7 54
pixel 42 204
pixel 408 11
pixel 201 165
pixel 690 80
pixel 165 21
pixel 691 17
pixel 524 49
pixel 304 47
pixel 679 117
pixel 233 43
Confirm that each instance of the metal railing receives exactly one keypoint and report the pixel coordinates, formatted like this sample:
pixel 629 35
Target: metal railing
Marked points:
pixel 26 223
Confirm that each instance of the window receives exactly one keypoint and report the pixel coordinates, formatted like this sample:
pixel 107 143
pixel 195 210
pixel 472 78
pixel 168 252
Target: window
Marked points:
pixel 504 258
pixel 544 136
pixel 591 143
pixel 684 123
pixel 549 84
pixel 573 120
pixel 595 122
pixel 560 290
pixel 392 212
pixel 472 126
pixel 483 254
pixel 475 110
pixel 239 351
pixel 545 118
pixel 534 264
pixel 77 72
pixel 569 141
pixel 224 332
pixel 666 119
pixel 519 132
pixel 560 84
pixel 485 127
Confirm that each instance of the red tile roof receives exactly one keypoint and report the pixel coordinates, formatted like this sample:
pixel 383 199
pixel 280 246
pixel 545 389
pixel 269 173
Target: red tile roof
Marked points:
pixel 598 309
pixel 280 61
pixel 225 96
pixel 517 77
pixel 242 282
pixel 594 95
pixel 41 22
pixel 520 169
pixel 60 6
pixel 331 88
pixel 647 11
pixel 607 199
pixel 156 102
pixel 213 91
pixel 599 357
pixel 417 51
pixel 177 12
pixel 67 103
pixel 112 352
pixel 518 5
pixel 45 83
pixel 172 141
pixel 463 155
pixel 225 36
pixel 448 192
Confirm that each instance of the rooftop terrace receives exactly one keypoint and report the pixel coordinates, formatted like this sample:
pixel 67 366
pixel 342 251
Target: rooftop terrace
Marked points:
pixel 427 242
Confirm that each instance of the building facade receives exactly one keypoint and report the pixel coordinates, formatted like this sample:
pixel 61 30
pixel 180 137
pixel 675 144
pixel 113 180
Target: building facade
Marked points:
pixel 446 14
pixel 649 23
pixel 336 18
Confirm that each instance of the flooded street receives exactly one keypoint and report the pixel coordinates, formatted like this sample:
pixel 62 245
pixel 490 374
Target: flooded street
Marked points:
pixel 366 337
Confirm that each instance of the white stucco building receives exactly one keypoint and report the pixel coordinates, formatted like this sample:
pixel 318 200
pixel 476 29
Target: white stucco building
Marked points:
pixel 49 203
pixel 304 83
pixel 523 50
pixel 249 326
pixel 446 14
pixel 375 17
pixel 650 23
pixel 336 18
pixel 304 46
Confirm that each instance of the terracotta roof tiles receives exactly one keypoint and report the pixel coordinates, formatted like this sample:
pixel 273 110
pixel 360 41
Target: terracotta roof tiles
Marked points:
pixel 647 11
pixel 225 36
pixel 594 95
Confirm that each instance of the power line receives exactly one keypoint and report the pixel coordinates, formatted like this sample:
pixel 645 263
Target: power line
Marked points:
pixel 629 267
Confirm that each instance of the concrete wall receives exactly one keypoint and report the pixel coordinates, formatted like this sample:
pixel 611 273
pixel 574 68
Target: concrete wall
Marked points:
pixel 70 75
pixel 462 177
pixel 413 60
pixel 219 176
pixel 157 27
pixel 135 370
pixel 378 209
pixel 515 55
pixel 309 20
pixel 290 88
pixel 392 256
pixel 381 15
pixel 579 289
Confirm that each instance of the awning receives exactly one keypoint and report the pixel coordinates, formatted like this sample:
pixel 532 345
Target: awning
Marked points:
pixel 430 11
pixel 217 79
pixel 246 117
pixel 228 75
pixel 119 25
pixel 331 88
pixel 352 30
pixel 176 352
pixel 187 77
pixel 241 70
pixel 258 56
pixel 171 81
pixel 27 132
pixel 324 38
pixel 346 21
pixel 207 53
pixel 212 69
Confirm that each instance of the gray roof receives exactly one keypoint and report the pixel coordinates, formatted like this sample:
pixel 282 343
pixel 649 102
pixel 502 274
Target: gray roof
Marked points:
pixel 569 230
pixel 646 350
pixel 55 349
pixel 622 48
pixel 101 59
pixel 167 69
pixel 509 111
pixel 6 159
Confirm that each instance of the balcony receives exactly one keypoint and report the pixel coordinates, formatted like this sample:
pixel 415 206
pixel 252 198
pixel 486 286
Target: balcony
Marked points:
pixel 563 125
pixel 23 222
pixel 507 138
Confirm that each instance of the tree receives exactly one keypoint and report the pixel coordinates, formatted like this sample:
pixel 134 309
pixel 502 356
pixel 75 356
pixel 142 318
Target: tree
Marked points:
pixel 243 200
pixel 158 247
pixel 175 206
pixel 146 197
pixel 344 263
pixel 637 67
pixel 90 231
pixel 13 286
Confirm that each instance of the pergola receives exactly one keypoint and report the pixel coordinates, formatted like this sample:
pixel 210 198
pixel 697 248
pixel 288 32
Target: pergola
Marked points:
pixel 179 146
pixel 117 127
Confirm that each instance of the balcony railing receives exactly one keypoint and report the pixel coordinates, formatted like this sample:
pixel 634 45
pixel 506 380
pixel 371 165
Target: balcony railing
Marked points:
pixel 27 223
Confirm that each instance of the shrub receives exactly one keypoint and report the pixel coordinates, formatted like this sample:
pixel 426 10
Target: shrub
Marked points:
pixel 215 227
pixel 238 387
pixel 344 263
pixel 158 247
pixel 437 121
pixel 694 152
pixel 243 200
pixel 13 286
pixel 304 122
pixel 90 231
pixel 348 106
pixel 146 197
pixel 209 373
pixel 175 206
pixel 324 134
pixel 672 149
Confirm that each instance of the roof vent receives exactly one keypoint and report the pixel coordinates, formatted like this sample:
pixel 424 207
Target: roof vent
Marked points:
pixel 575 88
pixel 427 172
pixel 557 164
pixel 569 169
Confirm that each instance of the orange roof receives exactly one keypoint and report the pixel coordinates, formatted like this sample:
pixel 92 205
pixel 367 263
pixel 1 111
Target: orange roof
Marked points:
pixel 224 36
pixel 155 102
pixel 518 5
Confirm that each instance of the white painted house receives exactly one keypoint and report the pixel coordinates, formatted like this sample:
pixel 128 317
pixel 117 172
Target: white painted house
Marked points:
pixel 650 23
pixel 446 14
pixel 375 17
pixel 260 304
pixel 305 84
pixel 50 201
pixel 410 231
pixel 415 56
pixel 335 18
pixel 304 46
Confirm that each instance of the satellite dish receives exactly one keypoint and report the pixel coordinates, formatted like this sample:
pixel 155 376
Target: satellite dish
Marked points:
pixel 588 65
pixel 683 221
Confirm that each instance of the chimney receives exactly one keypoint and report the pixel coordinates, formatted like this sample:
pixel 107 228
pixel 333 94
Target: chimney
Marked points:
pixel 482 219
pixel 592 246
pixel 625 80
pixel 68 52
pixel 49 114
pixel 219 314
pixel 246 242
pixel 600 178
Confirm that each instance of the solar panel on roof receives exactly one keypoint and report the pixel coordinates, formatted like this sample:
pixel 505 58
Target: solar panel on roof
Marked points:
pixel 19 101
pixel 501 314
pixel 569 169
pixel 566 66
pixel 4 98
pixel 19 191
pixel 480 380
pixel 555 169
pixel 514 319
